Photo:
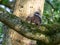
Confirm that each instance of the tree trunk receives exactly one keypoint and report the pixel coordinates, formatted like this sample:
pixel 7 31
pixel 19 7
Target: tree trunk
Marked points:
pixel 22 9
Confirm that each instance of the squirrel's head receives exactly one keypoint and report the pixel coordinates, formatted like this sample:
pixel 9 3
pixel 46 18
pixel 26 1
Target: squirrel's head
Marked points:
pixel 37 13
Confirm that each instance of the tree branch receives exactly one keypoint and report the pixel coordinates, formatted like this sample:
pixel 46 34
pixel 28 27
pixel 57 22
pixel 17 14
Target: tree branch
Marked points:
pixel 44 33
pixel 50 4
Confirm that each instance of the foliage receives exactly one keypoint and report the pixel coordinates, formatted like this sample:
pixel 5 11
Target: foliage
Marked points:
pixel 5 1
pixel 0 29
pixel 52 15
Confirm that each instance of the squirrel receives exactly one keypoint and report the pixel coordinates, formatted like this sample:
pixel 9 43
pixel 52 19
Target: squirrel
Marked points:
pixel 36 18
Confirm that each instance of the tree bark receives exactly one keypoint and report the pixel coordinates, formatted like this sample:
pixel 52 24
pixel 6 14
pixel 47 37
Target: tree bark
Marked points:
pixel 25 8
pixel 22 9
pixel 49 34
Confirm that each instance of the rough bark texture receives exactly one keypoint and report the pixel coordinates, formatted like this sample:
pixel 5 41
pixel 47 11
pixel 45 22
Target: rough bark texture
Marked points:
pixel 22 9
pixel 45 34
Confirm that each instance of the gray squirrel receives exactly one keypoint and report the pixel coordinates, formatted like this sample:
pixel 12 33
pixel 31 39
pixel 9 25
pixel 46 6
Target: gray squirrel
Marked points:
pixel 36 18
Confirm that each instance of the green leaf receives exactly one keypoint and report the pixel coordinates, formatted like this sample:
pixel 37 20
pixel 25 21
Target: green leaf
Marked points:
pixel 5 1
